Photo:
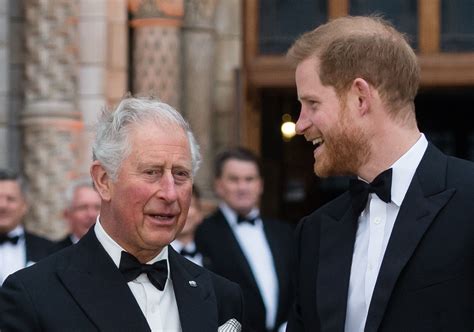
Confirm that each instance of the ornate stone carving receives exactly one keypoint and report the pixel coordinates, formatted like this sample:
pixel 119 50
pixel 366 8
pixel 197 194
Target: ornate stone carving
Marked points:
pixel 51 123
pixel 199 13
pixel 51 37
pixel 157 48
pixel 156 59
pixel 50 147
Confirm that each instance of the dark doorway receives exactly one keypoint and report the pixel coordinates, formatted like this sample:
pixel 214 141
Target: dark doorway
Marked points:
pixel 291 188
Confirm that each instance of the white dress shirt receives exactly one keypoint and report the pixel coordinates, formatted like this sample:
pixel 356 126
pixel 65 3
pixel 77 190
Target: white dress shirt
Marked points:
pixel 254 244
pixel 191 246
pixel 374 229
pixel 159 307
pixel 12 256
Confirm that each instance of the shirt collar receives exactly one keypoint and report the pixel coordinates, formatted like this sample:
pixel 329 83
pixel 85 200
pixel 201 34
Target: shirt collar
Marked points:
pixel 404 169
pixel 115 250
pixel 17 231
pixel 231 215
pixel 178 245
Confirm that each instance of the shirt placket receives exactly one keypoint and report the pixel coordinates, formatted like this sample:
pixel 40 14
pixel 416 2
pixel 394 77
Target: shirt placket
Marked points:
pixel 377 221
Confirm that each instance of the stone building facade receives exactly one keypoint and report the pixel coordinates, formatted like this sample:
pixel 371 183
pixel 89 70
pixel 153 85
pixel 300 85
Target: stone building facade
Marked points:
pixel 63 61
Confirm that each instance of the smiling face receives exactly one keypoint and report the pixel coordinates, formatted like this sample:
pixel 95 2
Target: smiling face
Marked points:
pixel 240 185
pixel 146 207
pixel 340 146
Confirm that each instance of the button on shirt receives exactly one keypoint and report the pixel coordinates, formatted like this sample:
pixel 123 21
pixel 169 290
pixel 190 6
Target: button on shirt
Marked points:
pixel 159 307
pixel 373 233
pixel 12 256
pixel 254 245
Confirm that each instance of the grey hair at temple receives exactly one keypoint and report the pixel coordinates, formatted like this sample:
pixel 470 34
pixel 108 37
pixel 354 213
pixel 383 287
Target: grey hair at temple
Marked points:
pixel 111 145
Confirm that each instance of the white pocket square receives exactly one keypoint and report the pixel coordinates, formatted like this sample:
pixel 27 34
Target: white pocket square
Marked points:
pixel 232 325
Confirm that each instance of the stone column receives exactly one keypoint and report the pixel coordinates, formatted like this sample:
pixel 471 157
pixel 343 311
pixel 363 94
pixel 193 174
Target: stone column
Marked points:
pixel 50 120
pixel 198 72
pixel 11 81
pixel 156 50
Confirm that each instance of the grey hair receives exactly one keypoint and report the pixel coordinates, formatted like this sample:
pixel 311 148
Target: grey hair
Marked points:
pixel 84 182
pixel 112 146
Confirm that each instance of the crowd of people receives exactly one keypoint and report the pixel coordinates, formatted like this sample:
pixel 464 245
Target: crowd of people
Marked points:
pixel 393 253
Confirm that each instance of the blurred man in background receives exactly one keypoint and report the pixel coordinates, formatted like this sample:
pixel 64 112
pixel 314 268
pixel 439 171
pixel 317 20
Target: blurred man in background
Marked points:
pixel 244 246
pixel 184 243
pixel 18 247
pixel 80 213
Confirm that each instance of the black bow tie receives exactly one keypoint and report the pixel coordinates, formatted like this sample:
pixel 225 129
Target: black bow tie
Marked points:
pixel 243 219
pixel 381 186
pixel 131 268
pixel 189 253
pixel 4 238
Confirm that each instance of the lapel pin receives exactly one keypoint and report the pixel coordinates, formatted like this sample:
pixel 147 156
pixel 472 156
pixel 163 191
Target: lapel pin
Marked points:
pixel 192 283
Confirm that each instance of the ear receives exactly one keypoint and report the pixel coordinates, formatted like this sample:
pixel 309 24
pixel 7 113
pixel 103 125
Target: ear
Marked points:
pixel 101 180
pixel 362 95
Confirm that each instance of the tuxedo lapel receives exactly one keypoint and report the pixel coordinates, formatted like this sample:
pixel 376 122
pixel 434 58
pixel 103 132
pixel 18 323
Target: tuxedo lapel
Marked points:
pixel 425 197
pixel 335 258
pixel 100 289
pixel 30 249
pixel 275 244
pixel 36 248
pixel 194 295
pixel 230 248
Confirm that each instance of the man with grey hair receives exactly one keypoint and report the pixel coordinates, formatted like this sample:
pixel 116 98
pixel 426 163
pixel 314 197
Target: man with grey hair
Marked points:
pixel 123 275
pixel 18 247
pixel 82 205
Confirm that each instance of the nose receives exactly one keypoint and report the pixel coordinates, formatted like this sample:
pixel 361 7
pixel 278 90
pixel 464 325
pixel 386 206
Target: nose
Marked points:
pixel 303 122
pixel 167 188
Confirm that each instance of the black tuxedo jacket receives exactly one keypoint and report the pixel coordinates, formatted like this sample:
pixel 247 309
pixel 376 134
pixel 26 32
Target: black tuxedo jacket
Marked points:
pixel 215 240
pixel 63 243
pixel 426 280
pixel 81 289
pixel 37 247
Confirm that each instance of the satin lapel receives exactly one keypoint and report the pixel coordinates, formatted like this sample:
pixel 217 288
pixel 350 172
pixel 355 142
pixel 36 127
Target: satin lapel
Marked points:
pixel 30 249
pixel 275 244
pixel 196 305
pixel 281 261
pixel 335 258
pixel 99 289
pixel 231 248
pixel 425 197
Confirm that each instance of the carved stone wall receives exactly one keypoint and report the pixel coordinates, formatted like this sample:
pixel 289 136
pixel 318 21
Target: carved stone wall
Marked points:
pixel 157 49
pixel 50 120
pixel 157 64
